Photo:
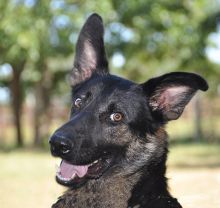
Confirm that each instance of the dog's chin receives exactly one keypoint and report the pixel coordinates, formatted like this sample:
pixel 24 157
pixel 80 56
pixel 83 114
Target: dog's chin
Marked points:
pixel 75 176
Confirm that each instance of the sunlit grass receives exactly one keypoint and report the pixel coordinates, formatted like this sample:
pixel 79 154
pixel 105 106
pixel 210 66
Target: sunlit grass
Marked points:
pixel 27 176
pixel 27 180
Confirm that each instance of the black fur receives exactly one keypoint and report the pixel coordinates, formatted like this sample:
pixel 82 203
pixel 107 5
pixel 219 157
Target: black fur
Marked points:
pixel 132 147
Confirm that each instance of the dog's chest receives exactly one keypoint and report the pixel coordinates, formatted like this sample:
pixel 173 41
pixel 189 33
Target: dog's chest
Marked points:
pixel 108 194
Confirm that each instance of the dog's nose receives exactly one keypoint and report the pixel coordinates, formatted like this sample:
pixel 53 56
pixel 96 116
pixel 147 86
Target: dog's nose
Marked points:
pixel 60 145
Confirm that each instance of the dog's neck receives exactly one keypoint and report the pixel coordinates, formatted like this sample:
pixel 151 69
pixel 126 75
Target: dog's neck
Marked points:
pixel 107 192
pixel 115 191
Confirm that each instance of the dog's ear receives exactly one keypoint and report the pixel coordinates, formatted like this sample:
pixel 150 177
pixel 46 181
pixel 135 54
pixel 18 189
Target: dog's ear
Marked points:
pixel 169 94
pixel 90 54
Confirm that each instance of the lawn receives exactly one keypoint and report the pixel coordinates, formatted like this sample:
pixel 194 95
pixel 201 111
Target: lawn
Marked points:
pixel 194 155
pixel 27 180
pixel 27 177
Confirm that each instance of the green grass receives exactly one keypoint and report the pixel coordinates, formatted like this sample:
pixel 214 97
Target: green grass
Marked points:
pixel 194 155
pixel 27 176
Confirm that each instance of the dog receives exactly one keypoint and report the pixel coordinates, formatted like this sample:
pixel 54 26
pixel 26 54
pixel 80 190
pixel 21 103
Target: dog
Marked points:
pixel 114 147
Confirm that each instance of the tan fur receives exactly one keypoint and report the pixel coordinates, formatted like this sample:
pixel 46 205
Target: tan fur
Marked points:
pixel 161 134
pixel 106 192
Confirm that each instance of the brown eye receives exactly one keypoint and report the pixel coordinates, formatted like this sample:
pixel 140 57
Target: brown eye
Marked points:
pixel 116 117
pixel 78 102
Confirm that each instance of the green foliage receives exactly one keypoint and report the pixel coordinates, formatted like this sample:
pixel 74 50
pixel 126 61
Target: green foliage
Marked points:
pixel 37 39
pixel 153 36
pixel 167 36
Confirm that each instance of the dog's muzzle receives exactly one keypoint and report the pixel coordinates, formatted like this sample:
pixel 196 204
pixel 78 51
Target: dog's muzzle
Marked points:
pixel 59 145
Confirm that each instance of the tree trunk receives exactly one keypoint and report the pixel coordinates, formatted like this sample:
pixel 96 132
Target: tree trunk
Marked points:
pixel 42 102
pixel 197 119
pixel 38 109
pixel 16 102
pixel 37 115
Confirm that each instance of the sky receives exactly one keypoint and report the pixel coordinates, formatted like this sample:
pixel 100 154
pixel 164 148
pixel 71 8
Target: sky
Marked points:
pixel 213 53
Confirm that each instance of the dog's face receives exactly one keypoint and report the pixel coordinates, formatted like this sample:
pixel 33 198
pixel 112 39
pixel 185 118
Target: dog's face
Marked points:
pixel 116 125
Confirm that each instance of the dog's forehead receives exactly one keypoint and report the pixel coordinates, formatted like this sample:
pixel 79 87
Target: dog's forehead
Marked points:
pixel 106 85
pixel 112 92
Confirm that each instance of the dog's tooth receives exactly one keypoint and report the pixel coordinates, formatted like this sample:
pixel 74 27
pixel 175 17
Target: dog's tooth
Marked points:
pixel 95 162
pixel 73 176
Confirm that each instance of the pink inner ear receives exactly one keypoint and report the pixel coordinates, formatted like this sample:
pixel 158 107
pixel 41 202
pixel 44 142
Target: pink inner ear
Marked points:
pixel 170 96
pixel 90 57
pixel 87 65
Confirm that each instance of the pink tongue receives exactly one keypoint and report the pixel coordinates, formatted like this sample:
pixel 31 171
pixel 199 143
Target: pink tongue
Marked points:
pixel 68 170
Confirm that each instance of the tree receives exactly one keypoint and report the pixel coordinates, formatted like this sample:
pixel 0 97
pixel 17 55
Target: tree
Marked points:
pixel 153 37
pixel 26 46
pixel 13 51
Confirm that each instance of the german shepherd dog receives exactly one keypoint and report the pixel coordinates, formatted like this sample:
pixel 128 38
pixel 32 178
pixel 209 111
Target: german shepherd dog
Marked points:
pixel 114 147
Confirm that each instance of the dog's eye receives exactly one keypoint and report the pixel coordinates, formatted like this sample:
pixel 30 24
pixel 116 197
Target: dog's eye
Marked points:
pixel 116 117
pixel 78 102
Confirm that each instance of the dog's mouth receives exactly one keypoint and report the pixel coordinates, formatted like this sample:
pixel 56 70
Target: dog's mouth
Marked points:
pixel 75 175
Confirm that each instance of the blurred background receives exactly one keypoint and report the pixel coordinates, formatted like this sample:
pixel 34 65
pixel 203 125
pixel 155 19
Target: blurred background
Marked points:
pixel 144 38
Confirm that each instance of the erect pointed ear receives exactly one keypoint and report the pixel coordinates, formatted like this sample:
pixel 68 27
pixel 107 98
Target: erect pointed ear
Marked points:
pixel 169 94
pixel 90 52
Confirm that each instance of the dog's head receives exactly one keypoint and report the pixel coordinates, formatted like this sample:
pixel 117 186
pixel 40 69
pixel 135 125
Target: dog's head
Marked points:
pixel 115 124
